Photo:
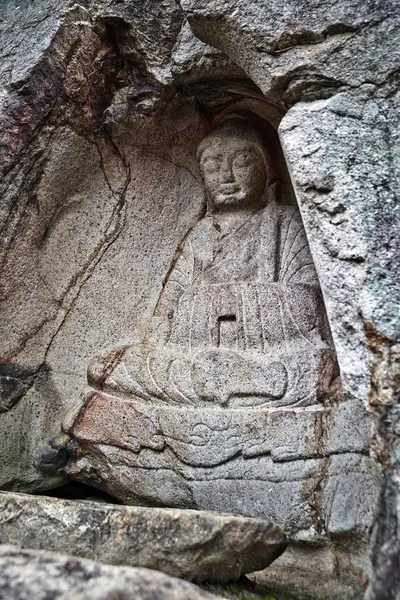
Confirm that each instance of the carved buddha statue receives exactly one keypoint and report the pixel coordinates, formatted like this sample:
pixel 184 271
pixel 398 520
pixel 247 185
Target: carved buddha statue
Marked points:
pixel 240 321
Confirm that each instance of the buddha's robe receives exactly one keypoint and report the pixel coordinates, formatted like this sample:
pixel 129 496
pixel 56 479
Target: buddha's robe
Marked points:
pixel 240 322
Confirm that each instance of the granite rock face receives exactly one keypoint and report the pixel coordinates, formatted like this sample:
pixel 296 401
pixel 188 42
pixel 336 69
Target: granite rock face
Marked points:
pixel 234 387
pixel 239 332
pixel 386 583
pixel 76 198
pixel 41 575
pixel 197 546
pixel 103 107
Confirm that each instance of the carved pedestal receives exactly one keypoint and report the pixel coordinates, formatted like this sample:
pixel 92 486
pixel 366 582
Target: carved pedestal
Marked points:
pixel 301 468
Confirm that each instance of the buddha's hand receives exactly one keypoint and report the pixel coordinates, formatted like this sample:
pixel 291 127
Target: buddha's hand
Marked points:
pixel 226 376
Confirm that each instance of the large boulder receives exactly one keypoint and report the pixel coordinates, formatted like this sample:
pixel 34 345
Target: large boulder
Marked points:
pixel 194 545
pixel 26 574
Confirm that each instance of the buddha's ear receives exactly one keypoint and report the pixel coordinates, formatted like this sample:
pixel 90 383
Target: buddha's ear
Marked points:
pixel 271 191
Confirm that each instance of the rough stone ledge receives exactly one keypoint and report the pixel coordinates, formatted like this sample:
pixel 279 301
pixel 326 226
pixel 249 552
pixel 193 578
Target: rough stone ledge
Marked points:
pixel 193 545
pixel 46 575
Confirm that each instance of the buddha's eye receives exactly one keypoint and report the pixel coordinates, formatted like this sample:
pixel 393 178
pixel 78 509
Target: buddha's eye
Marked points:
pixel 243 159
pixel 211 163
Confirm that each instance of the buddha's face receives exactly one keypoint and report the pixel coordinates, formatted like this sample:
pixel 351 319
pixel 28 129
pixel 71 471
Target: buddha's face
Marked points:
pixel 233 172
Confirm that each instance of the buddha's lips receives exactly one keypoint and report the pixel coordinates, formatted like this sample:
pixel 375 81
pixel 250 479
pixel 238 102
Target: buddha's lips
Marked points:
pixel 229 189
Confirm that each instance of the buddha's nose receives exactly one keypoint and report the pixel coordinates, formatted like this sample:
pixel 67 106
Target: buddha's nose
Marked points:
pixel 227 175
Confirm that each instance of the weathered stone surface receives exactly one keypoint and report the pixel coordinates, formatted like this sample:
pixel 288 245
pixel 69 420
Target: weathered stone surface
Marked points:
pixel 240 321
pixel 291 572
pixel 302 51
pixel 341 213
pixel 26 574
pixel 191 59
pixel 234 386
pixel 197 546
pixel 102 111
pixel 386 581
pixel 73 202
pixel 294 500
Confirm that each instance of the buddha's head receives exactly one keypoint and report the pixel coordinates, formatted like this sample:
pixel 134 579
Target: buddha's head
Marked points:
pixel 233 165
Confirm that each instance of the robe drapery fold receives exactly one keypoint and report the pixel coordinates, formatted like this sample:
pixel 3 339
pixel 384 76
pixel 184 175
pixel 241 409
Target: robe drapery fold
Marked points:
pixel 260 276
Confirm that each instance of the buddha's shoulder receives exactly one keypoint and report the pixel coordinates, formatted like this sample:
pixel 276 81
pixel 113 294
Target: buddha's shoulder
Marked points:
pixel 202 225
pixel 201 232
pixel 282 213
pixel 286 211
